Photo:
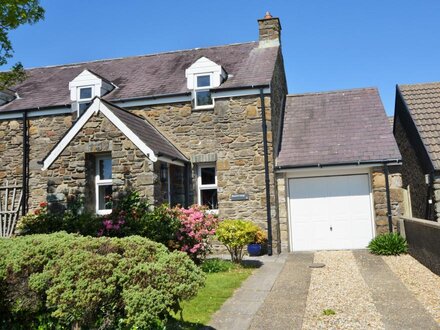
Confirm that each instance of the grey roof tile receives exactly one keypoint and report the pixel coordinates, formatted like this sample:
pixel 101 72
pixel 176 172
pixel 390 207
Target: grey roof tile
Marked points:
pixel 423 103
pixel 147 133
pixel 336 127
pixel 146 76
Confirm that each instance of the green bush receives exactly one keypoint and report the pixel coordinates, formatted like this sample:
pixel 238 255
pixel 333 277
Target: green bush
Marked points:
pixel 235 235
pixel 73 220
pixel 216 265
pixel 388 244
pixel 107 283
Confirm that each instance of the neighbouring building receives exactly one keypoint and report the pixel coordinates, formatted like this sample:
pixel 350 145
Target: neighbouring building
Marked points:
pixel 213 126
pixel 417 132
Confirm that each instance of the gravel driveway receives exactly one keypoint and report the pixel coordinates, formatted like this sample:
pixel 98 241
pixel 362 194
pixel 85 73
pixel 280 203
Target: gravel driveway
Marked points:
pixel 355 290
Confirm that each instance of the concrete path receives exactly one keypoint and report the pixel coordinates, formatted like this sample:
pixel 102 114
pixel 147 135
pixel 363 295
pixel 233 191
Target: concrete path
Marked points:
pixel 238 311
pixel 277 296
pixel 397 305
pixel 289 308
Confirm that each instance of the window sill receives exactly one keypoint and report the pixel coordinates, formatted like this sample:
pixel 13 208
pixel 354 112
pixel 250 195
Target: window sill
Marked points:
pixel 211 107
pixel 215 212
pixel 103 212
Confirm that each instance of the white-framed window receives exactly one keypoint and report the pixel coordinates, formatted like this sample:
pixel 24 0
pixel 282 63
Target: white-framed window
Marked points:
pixel 84 97
pixel 103 184
pixel 207 186
pixel 202 93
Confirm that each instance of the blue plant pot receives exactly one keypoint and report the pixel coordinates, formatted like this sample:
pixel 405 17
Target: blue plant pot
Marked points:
pixel 254 250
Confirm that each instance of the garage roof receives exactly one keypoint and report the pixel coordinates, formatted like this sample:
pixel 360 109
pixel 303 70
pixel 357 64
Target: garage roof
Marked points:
pixel 337 127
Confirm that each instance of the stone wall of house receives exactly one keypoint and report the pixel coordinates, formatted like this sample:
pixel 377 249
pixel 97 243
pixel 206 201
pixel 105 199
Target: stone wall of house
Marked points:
pixel 73 171
pixel 380 197
pixel 44 133
pixel 11 151
pixel 231 136
pixel 413 173
pixel 68 175
pixel 283 217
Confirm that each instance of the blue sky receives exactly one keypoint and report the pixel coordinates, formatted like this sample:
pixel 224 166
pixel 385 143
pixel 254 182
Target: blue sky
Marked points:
pixel 327 45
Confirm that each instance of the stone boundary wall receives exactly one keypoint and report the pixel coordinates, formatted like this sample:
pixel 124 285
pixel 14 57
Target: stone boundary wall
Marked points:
pixel 423 241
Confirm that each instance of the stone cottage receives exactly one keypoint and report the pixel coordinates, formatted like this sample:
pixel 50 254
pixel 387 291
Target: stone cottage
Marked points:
pixel 212 126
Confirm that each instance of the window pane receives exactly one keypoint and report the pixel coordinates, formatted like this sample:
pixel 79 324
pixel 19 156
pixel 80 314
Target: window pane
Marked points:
pixel 203 81
pixel 209 198
pixel 82 107
pixel 203 98
pixel 208 175
pixel 105 197
pixel 105 169
pixel 85 93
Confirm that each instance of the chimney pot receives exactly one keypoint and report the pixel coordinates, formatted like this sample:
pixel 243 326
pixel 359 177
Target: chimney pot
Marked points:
pixel 270 31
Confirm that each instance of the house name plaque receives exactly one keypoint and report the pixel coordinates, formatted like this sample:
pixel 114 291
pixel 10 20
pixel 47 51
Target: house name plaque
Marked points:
pixel 239 197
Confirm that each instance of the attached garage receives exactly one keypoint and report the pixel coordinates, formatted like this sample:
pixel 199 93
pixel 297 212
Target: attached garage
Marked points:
pixel 336 151
pixel 330 212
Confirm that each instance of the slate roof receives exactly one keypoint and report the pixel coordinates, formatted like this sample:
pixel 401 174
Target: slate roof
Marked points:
pixel 147 133
pixel 423 103
pixel 335 128
pixel 146 76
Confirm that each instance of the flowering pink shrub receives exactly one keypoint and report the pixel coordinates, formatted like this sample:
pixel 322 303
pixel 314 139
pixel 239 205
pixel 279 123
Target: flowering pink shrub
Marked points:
pixel 112 225
pixel 197 226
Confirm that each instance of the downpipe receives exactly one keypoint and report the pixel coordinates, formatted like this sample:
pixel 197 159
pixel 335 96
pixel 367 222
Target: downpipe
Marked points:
pixel 266 174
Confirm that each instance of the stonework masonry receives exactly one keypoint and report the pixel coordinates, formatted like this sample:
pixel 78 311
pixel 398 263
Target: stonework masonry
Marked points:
pixel 397 196
pixel 131 169
pixel 233 132
pixel 413 173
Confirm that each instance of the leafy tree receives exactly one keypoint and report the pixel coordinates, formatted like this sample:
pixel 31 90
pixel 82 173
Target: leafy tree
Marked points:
pixel 14 13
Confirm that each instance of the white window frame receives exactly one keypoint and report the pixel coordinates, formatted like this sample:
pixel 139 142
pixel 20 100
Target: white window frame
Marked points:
pixel 99 182
pixel 201 186
pixel 82 101
pixel 203 89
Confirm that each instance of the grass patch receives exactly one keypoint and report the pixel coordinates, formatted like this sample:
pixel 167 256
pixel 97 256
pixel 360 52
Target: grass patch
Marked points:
pixel 219 287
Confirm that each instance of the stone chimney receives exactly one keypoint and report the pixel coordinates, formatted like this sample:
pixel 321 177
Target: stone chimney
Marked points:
pixel 270 31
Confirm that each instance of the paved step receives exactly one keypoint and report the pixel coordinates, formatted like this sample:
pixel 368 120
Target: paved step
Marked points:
pixel 285 305
pixel 398 307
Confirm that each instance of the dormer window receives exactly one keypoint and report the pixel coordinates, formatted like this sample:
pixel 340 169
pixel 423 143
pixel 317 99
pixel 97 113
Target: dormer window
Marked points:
pixel 202 76
pixel 202 94
pixel 85 87
pixel 85 95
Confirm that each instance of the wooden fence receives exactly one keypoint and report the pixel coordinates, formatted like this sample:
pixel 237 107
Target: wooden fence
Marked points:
pixel 11 197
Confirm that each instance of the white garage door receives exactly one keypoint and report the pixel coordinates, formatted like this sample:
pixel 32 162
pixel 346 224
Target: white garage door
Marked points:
pixel 329 213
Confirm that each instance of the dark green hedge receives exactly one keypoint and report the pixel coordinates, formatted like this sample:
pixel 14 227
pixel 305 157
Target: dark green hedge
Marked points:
pixel 59 280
